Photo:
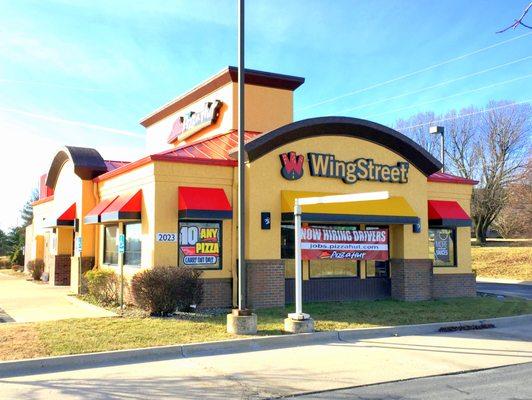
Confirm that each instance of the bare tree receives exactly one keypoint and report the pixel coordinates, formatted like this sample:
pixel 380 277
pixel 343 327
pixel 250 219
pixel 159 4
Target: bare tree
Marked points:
pixel 416 127
pixel 502 151
pixel 518 21
pixel 491 147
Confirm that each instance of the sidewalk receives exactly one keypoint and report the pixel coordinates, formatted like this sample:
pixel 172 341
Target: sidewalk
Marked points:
pixel 274 372
pixel 25 301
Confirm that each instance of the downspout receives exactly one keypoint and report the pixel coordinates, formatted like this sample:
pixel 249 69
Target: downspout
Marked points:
pixel 96 195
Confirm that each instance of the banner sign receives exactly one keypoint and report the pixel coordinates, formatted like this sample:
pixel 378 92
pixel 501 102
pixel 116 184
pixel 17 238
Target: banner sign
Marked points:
pixel 200 244
pixel 343 243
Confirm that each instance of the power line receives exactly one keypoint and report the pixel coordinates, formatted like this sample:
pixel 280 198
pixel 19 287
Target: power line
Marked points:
pixel 376 85
pixel 435 85
pixel 453 95
pixel 466 115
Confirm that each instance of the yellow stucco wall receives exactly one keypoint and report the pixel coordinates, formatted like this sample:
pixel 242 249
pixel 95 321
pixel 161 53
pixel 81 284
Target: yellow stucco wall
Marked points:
pixel 169 176
pixel 266 108
pixel 461 194
pixel 264 184
pixel 131 181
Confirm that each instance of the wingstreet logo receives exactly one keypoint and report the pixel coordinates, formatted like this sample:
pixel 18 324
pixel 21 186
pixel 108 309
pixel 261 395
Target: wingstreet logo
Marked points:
pixel 326 165
pixel 292 165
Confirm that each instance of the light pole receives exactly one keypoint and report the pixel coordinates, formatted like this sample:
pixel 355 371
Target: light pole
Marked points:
pixel 439 130
pixel 241 161
pixel 241 320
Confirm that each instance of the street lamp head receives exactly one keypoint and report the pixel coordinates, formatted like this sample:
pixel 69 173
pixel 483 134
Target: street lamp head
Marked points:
pixel 436 130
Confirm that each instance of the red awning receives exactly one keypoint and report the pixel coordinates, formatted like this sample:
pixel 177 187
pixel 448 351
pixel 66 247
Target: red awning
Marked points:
pixel 94 215
pixel 126 207
pixel 204 203
pixel 65 218
pixel 447 213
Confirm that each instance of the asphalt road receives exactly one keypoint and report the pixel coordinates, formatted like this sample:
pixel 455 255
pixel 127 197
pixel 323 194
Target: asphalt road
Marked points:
pixel 506 289
pixel 512 383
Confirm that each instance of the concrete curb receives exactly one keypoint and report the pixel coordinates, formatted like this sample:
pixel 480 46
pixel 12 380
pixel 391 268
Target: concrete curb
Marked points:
pixel 117 357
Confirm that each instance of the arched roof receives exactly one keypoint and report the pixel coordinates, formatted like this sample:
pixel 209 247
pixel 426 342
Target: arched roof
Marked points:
pixel 345 126
pixel 88 163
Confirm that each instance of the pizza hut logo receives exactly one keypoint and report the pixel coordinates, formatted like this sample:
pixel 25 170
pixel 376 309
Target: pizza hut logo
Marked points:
pixel 292 165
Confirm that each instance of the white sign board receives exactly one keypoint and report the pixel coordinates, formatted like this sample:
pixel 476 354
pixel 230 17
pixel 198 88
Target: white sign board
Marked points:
pixel 167 237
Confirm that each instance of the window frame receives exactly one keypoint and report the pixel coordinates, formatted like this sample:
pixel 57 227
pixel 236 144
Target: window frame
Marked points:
pixel 125 248
pixel 454 241
pixel 105 244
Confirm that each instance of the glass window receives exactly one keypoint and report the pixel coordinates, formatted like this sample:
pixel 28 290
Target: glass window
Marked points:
pixel 133 234
pixel 333 268
pixel 442 245
pixel 110 252
pixel 376 268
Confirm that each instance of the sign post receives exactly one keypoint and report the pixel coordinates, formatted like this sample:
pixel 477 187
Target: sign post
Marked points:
pixel 121 251
pixel 291 323
pixel 79 247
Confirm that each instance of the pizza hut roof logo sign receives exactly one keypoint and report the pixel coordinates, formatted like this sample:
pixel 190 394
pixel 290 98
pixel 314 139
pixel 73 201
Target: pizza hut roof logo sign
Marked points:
pixel 292 165
pixel 192 122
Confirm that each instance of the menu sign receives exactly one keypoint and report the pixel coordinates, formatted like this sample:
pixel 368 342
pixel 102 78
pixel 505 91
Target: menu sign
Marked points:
pixel 442 246
pixel 343 243
pixel 200 244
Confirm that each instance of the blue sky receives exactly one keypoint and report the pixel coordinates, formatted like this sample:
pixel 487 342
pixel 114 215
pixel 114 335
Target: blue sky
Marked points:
pixel 85 72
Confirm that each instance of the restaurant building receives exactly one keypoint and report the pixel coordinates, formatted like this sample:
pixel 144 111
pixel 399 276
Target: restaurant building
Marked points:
pixel 178 205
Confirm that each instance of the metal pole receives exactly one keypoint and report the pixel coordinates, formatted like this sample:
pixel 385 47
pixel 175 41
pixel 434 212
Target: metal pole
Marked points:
pixel 121 264
pixel 442 152
pixel 241 160
pixel 298 267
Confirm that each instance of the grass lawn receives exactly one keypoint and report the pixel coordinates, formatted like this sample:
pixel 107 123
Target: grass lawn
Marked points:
pixel 89 335
pixel 510 262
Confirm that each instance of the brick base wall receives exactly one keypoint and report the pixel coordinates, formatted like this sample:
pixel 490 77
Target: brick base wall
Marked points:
pixel 454 285
pixel 411 279
pixel 217 293
pixel 62 270
pixel 265 283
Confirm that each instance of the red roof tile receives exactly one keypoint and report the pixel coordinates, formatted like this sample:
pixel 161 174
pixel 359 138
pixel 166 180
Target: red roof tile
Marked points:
pixel 448 178
pixel 214 148
pixel 112 164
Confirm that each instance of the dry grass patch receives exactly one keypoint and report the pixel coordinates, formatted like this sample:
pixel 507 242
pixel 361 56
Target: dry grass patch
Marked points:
pixel 503 262
pixel 18 341
pixel 102 334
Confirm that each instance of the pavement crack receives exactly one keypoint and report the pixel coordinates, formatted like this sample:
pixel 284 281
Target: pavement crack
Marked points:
pixel 458 390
